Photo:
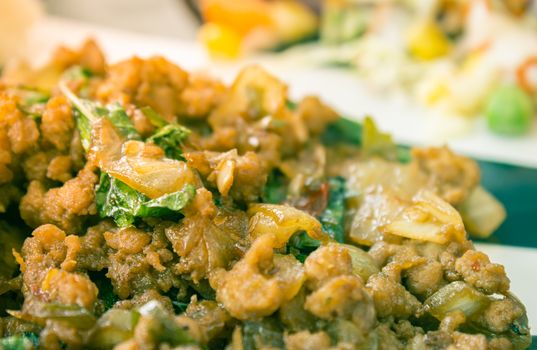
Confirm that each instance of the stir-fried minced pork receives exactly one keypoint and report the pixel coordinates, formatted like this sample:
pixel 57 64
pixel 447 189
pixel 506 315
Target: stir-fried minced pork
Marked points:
pixel 144 207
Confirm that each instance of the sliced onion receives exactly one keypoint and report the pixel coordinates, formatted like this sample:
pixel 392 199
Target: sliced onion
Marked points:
pixel 112 328
pixel 149 174
pixel 283 221
pixel 429 218
pixel 482 213
pixel 363 264
pixel 456 296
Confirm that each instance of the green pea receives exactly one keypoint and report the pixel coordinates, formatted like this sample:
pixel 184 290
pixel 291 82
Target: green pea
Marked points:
pixel 509 111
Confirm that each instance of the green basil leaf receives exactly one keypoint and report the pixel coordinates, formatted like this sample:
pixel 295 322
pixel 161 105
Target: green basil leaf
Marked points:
pixel 154 117
pixel 170 138
pixel 124 204
pixel 88 112
pixel 117 115
pixel 17 342
pixel 332 218
pixel 275 190
pixel 343 131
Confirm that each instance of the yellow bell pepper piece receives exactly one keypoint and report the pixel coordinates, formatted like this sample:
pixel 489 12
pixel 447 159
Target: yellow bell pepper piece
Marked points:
pixel 436 94
pixel 220 40
pixel 426 41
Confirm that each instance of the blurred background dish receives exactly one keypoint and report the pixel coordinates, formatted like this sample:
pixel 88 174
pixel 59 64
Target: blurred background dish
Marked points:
pixel 16 18
pixel 462 59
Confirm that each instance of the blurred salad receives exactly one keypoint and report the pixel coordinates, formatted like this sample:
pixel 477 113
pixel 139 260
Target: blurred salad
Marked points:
pixel 470 58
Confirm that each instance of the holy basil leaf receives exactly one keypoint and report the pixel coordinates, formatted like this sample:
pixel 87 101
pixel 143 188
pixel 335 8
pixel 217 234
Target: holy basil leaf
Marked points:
pixel 87 112
pixel 343 131
pixel 332 218
pixel 170 138
pixel 275 190
pixel 173 202
pixel 117 115
pixel 19 342
pixel 301 245
pixel 163 327
pixel 117 200
pixel 366 135
pixel 154 117
pixel 83 125
pixel 77 73
pixel 124 204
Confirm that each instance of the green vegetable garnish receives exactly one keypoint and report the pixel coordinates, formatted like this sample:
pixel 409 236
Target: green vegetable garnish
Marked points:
pixel 17 342
pixel 117 115
pixel 509 111
pixel 88 112
pixel 112 328
pixel 275 190
pixel 332 220
pixel 332 217
pixel 77 73
pixel 170 138
pixel 154 117
pixel 117 200
pixel 343 131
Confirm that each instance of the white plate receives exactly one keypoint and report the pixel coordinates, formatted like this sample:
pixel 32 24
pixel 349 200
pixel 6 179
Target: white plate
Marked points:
pixel 343 91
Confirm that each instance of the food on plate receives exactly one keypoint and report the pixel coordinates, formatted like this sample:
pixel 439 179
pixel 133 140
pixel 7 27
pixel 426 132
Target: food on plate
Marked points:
pixel 145 207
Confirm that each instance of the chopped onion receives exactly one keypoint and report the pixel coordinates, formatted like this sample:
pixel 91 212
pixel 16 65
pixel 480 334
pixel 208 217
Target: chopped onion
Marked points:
pixel 363 264
pixel 429 218
pixel 145 172
pixel 456 296
pixel 112 328
pixel 482 213
pixel 283 221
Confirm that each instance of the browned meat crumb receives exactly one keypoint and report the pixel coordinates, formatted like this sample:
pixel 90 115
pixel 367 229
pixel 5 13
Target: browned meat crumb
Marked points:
pixel 59 169
pixel 454 176
pixel 58 123
pixel 391 298
pixel 500 314
pixel 65 206
pixel 154 82
pixel 254 287
pixel 327 262
pixel 315 114
pixel 476 269
pixel 305 340
pixel 425 279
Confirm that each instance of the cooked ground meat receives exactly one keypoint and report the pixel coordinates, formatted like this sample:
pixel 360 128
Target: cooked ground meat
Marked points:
pixel 305 340
pixel 58 123
pixel 453 176
pixel 476 269
pixel 66 206
pixel 165 210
